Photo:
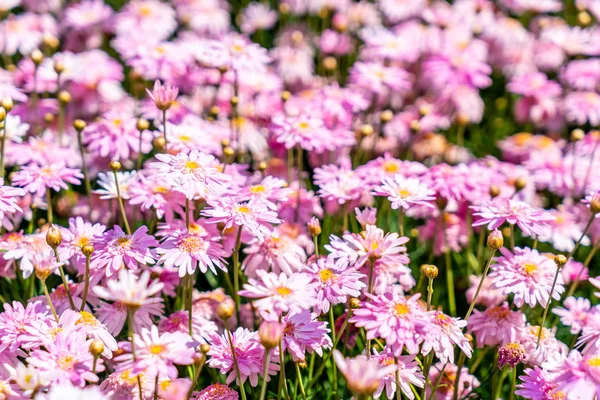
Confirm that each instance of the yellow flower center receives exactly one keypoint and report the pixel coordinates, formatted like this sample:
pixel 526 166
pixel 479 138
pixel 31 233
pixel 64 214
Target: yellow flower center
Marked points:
pixel 283 291
pixel 326 274
pixel 66 362
pixel 390 167
pixel 156 349
pixel 123 241
pixel 303 125
pixel 244 209
pixel 117 122
pixel 594 361
pixel 191 244
pixel 164 385
pixel 86 319
pixel 498 312
pixel 128 378
pixel 401 309
pixel 191 165
pixel 82 241
pixel 530 268
pixel 257 189
pixel 404 193
pixel 145 11
pixel 374 246
pixel 160 189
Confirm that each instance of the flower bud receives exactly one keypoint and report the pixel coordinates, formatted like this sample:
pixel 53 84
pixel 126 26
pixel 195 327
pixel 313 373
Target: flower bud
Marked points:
pixel 495 240
pixel 595 203
pixel 48 117
pixel 269 333
pixel 314 227
pixel 225 143
pixel 494 191
pixel 441 202
pixel 354 303
pixel 577 135
pixel 584 18
pixel 285 95
pixel 560 260
pixel 114 166
pixel 225 309
pixel 79 125
pixel 262 166
pixel 53 237
pixel 96 348
pixel 302 364
pixel 2 114
pixel 520 184
pixel 142 124
pixel 511 354
pixel 386 116
pixel 329 63
pixel 87 249
pixel 366 130
pixel 159 143
pixel 7 104
pixel 430 271
pixel 37 57
pixel 64 97
pixel 205 348
pixel 214 111
pixel 228 151
pixel 234 101
pixel 59 67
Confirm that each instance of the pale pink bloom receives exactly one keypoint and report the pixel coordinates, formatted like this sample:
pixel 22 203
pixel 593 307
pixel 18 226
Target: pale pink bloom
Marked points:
pixel 565 230
pixel 96 330
pixel 531 220
pixel 578 376
pixel 36 179
pixel 249 355
pixel 496 325
pixel 114 315
pixel 488 297
pixel 87 14
pixel 28 378
pixel 363 375
pixel 216 391
pixel 195 174
pixel 574 271
pixel 405 192
pixel 24 32
pixel 307 131
pixel 257 16
pixel 117 250
pixel 549 348
pixel 538 384
pixel 158 194
pixel 163 96
pixel 302 332
pixel 528 275
pixel 392 317
pixel 589 341
pixel 336 282
pixel 279 294
pixel 131 290
pixel 15 319
pixel 368 216
pixel 270 190
pixel 108 184
pixel 277 252
pixel 8 199
pixel 156 354
pixel 445 390
pixel 188 251
pixel 69 357
pixel 575 313
pixel 79 234
pixel 15 129
pixel 150 18
pixel 66 390
pixel 399 10
pixel 254 216
pixel 441 334
pixel 379 79
pixel 408 373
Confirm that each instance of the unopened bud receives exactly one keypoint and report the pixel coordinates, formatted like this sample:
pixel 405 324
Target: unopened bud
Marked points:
pixel 366 130
pixel 142 124
pixel 494 191
pixel 64 97
pixel 7 104
pixel 314 227
pixel 2 114
pixel 520 184
pixel 53 237
pixel 595 203
pixel 329 63
pixel 560 260
pixel 285 95
pixel 302 364
pixel 96 348
pixel 214 111
pixel 37 57
pixel 87 249
pixel 430 271
pixel 354 303
pixel 225 309
pixel 159 143
pixel 577 135
pixel 59 67
pixel 48 118
pixel 79 125
pixel 228 151
pixel 441 202
pixel 584 18
pixel 225 143
pixel 269 333
pixel 262 166
pixel 114 166
pixel 386 116
pixel 495 240
pixel 205 348
pixel 234 101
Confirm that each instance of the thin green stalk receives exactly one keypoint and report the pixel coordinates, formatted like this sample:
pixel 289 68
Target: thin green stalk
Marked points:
pixel 49 300
pixel 130 322
pixel 49 202
pixel 316 243
pixel 64 281
pixel 449 272
pixel 485 272
pixel 397 376
pixel 3 148
pixel 586 263
pixel 429 293
pixel 87 282
pixel 263 388
pixel 461 362
pixel 121 206
pixel 332 324
pixel 236 271
pixel 299 375
pixel 235 363
pixel 401 221
pixel 282 380
pixel 164 118
pixel 587 227
pixel 513 382
pixel 512 237
pixel 547 307
pixel 86 177
pixel 426 366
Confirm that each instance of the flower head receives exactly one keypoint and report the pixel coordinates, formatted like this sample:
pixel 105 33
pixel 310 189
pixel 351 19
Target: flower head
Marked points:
pixel 163 95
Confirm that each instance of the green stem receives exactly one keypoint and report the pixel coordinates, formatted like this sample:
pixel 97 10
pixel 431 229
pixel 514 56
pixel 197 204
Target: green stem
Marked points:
pixel 547 307
pixel 121 206
pixel 401 221
pixel 513 383
pixel 237 369
pixel 49 300
pixel 87 282
pixel 299 375
pixel 263 389
pixel 459 366
pixel 333 335
pixel 589 258
pixel 236 272
pixel 86 176
pixel 426 366
pixel 3 148
pixel 429 293
pixel 282 380
pixel 512 237
pixel 64 281
pixel 164 118
pixel 130 322
pixel 49 201
pixel 485 272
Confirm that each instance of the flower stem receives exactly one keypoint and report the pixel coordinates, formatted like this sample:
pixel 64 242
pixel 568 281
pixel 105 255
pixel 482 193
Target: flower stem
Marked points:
pixel 130 322
pixel 485 272
pixel 263 388
pixel 3 148
pixel 236 272
pixel 547 308
pixel 121 206
pixel 86 177
pixel 459 366
pixel 401 221
pixel 282 380
pixel 87 282
pixel 49 202
pixel 513 382
pixel 589 258
pixel 164 118
pixel 64 281
pixel 449 272
pixel 335 380
pixel 429 293
pixel 49 300
pixel 512 237
pixel 299 375
pixel 587 227
pixel 426 366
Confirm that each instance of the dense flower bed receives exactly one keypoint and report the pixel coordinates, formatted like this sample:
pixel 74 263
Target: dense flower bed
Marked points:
pixel 304 199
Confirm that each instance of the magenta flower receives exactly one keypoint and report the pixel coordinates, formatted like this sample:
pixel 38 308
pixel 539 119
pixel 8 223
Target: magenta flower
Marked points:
pixel 118 250
pixel 390 316
pixel 79 234
pixel 307 131
pixel 496 325
pixel 36 179
pixel 576 313
pixel 336 282
pixel 156 354
pixel 163 95
pixel 579 376
pixel 303 332
pixel 589 341
pixel 538 383
pixel 254 216
pixel 8 201
pixel 528 275
pixel 279 294
pixel 195 174
pixel 14 321
pixel 249 355
pixel 187 251
pixel 216 391
pixel 405 192
pixel 531 220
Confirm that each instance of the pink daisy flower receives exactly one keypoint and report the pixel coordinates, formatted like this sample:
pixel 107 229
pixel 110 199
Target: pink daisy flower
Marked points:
pixel 254 216
pixel 549 348
pixel 14 321
pixel 130 290
pixel 441 334
pixel 363 375
pixel 408 373
pixel 405 192
pixel 277 252
pixel 279 294
pixel 157 353
pixel 488 297
pixel 249 355
pixel 575 313
pixel 118 250
pixel 445 390
pixel 528 275
pixel 114 315
pixel 156 193
pixel 538 384
pixel 79 234
pixel 496 326
pixel 195 174
pixel 163 96
pixel 303 332
pixel 8 199
pixel 578 376
pixel 216 391
pixel 36 179
pixel 307 131
pixel 531 220
pixel 336 282
pixel 589 341
pixel 390 316
pixel 582 107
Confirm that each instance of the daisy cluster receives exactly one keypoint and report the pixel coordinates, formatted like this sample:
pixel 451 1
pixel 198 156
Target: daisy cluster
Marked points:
pixel 299 199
